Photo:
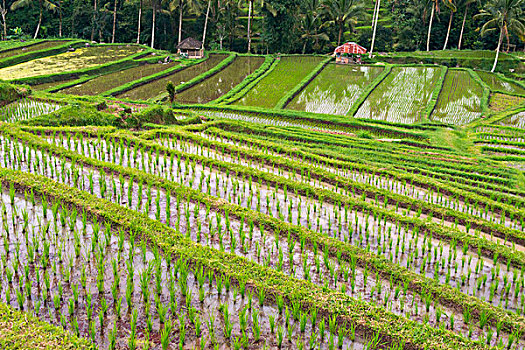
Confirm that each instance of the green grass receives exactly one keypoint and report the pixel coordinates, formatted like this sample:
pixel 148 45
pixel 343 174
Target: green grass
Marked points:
pixel 460 99
pixel 497 83
pixel 11 44
pixel 402 97
pixel 335 89
pixel 517 120
pixel 222 82
pixel 113 80
pixel 157 87
pixel 19 330
pixel 74 60
pixel 40 46
pixel 286 75
pixel 500 102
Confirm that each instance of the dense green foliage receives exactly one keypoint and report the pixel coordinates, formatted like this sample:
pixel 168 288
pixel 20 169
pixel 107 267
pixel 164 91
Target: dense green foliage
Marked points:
pixel 286 26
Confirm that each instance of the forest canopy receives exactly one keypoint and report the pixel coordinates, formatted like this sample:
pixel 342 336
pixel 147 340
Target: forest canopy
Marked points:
pixel 287 26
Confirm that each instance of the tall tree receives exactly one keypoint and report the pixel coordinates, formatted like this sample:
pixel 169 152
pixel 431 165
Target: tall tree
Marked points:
pixel 42 4
pixel 250 8
pixel 114 21
pixel 452 7
pixel 206 23
pixel 465 4
pixel 139 21
pixel 3 14
pixel 311 24
pixel 434 4
pixel 94 19
pixel 191 6
pixel 153 22
pixel 342 13
pixel 504 16
pixel 375 19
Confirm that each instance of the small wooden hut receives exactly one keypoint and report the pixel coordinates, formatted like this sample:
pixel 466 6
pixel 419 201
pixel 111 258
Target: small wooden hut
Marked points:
pixel 190 48
pixel 349 52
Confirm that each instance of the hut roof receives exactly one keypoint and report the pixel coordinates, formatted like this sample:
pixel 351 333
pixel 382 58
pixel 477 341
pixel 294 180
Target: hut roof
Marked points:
pixel 189 44
pixel 350 47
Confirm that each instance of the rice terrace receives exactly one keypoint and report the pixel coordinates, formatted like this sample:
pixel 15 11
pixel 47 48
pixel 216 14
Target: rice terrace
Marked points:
pixel 262 175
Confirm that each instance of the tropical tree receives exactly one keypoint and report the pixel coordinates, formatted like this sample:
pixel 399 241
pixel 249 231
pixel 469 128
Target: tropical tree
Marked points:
pixel 434 7
pixel 191 6
pixel 42 4
pixel 250 8
pixel 342 13
pixel 154 6
pixel 114 21
pixel 452 7
pixel 504 16
pixel 139 22
pixel 311 23
pixel 375 18
pixel 206 23
pixel 464 4
pixel 3 14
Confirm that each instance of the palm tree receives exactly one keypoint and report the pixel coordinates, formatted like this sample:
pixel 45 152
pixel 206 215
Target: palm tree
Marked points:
pixel 310 23
pixel 505 16
pixel 193 6
pixel 452 7
pixel 342 12
pixel 139 21
pixel 3 13
pixel 114 22
pixel 139 24
pixel 434 4
pixel 375 18
pixel 206 23
pixel 250 7
pixel 465 4
pixel 41 5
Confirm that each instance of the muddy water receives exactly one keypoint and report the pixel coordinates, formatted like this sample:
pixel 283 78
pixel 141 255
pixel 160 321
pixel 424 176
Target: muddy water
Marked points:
pixel 66 270
pixel 158 86
pixel 383 182
pixel 112 80
pixel 432 198
pixel 26 109
pixel 359 228
pixel 220 241
pixel 222 82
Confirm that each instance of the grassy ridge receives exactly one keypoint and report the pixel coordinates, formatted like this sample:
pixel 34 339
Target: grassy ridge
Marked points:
pixel 19 330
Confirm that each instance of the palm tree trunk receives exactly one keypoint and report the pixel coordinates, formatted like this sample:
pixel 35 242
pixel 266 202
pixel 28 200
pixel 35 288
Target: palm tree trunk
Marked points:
pixel 448 30
pixel 180 21
pixel 206 23
pixel 140 20
pixel 3 12
pixel 94 20
pixel 153 25
pixel 249 25
pixel 430 26
pixel 462 27
pixel 39 20
pixel 497 50
pixel 340 34
pixel 374 24
pixel 114 22
pixel 60 19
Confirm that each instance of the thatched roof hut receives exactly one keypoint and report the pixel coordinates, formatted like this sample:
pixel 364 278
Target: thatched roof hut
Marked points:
pixel 191 48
